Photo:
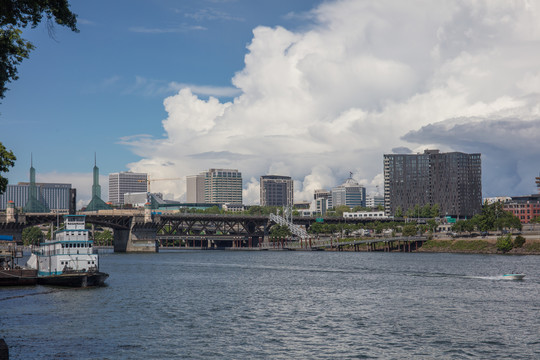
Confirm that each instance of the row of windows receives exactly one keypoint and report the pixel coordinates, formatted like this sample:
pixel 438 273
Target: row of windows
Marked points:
pixel 67 262
pixel 76 245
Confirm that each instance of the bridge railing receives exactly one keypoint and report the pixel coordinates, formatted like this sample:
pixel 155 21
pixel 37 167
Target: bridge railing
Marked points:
pixel 295 229
pixel 330 242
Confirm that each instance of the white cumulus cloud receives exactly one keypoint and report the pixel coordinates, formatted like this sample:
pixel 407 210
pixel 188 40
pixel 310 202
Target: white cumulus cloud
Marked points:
pixel 365 78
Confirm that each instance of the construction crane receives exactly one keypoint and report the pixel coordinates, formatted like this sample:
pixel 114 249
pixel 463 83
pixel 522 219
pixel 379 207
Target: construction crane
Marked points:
pixel 148 181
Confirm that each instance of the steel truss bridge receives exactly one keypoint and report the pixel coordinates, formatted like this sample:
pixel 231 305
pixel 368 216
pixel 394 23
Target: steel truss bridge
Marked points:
pixel 228 230
pixel 179 224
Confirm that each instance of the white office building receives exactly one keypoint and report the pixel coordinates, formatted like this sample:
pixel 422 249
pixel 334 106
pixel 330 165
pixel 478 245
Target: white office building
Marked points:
pixel 195 188
pixel 223 186
pixel 126 182
pixel 350 194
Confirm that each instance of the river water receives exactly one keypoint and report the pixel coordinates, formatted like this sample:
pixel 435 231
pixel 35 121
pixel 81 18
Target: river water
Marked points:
pixel 283 305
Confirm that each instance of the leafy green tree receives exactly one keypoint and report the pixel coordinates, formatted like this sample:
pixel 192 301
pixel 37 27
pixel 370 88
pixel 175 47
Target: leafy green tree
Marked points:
pixel 280 231
pixel 399 212
pixel 519 241
pixel 18 14
pixel 435 211
pixel 340 209
pixel 213 210
pixel 432 225
pixel 504 243
pixel 425 212
pixel 32 236
pixel 379 227
pixel 103 237
pixel 409 230
pixel 7 160
pixel 316 228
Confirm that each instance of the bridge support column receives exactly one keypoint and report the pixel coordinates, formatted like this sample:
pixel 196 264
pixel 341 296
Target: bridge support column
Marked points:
pixel 139 238
pixel 10 212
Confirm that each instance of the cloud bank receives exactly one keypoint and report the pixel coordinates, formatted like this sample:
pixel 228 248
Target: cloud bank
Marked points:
pixel 363 79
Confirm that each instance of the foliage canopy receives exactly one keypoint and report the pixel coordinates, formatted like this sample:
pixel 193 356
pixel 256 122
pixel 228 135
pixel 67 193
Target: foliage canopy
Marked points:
pixel 18 14
pixel 32 236
pixel 7 160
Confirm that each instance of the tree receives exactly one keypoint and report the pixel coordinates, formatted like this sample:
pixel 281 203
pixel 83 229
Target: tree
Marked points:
pixel 504 243
pixel 519 241
pixel 32 236
pixel 409 230
pixel 432 224
pixel 213 210
pixel 18 14
pixel 7 160
pixel 340 209
pixel 280 231
pixel 435 210
pixel 103 238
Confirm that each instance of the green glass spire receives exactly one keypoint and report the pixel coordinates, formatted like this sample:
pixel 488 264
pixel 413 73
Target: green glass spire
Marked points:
pixel 96 203
pixel 34 204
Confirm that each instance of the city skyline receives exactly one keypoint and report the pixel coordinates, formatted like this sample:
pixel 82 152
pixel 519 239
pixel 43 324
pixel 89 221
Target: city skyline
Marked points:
pixel 175 88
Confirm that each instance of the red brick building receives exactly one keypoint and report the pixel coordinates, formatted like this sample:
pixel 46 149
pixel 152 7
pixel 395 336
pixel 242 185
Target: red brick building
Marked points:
pixel 525 208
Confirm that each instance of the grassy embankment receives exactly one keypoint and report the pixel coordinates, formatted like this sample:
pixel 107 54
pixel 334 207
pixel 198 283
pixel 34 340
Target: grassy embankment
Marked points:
pixel 474 246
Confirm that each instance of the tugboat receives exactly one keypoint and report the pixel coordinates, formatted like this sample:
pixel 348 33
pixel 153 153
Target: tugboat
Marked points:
pixel 68 260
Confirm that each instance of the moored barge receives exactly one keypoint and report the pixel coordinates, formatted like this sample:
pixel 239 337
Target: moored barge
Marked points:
pixel 68 259
pixel 10 273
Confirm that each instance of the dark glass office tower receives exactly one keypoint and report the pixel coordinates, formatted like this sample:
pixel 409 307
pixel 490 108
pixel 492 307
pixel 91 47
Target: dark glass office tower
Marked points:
pixel 451 180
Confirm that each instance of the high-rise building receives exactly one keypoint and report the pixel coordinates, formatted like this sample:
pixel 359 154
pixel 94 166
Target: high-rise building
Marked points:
pixel 195 188
pixel 223 186
pixel 451 180
pixel 276 190
pixel 323 200
pixel 374 201
pixel 349 193
pixel 126 182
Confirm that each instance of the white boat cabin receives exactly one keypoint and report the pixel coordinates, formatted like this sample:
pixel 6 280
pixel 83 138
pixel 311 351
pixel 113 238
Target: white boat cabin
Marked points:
pixel 70 251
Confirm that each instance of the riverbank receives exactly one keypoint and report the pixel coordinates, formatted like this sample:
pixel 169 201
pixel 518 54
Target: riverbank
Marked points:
pixel 478 246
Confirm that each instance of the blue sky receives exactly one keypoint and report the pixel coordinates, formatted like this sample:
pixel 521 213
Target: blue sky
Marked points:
pixel 310 89
pixel 80 93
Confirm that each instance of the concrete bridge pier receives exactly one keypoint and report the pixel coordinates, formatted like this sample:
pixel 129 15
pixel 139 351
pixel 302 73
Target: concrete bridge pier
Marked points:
pixel 141 237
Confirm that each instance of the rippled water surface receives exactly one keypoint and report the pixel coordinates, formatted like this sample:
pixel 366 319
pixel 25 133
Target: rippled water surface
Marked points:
pixel 283 305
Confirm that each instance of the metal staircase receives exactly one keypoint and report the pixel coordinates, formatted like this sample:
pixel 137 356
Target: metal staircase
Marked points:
pixel 297 230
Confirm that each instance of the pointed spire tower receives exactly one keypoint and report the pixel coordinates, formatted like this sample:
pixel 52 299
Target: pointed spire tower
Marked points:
pixel 34 204
pixel 96 203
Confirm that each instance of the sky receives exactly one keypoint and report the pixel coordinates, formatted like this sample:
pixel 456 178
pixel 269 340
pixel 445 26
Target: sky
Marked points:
pixel 315 90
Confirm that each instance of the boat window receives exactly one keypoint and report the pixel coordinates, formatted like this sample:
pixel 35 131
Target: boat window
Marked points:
pixel 89 263
pixel 89 245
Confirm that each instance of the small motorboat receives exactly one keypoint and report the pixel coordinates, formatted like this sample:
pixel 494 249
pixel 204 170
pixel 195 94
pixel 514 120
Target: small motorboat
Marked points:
pixel 513 276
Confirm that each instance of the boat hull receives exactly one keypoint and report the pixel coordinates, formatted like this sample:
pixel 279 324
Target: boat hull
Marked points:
pixel 18 277
pixel 74 280
pixel 513 276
